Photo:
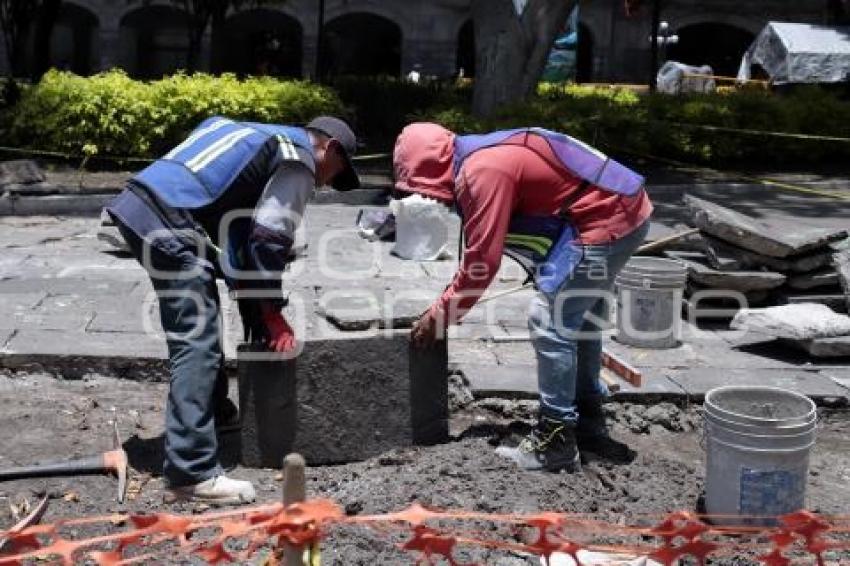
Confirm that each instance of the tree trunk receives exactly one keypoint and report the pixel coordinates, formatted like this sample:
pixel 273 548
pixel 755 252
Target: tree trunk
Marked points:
pixel 655 24
pixel 217 38
pixel 48 13
pixel 512 49
pixel 15 19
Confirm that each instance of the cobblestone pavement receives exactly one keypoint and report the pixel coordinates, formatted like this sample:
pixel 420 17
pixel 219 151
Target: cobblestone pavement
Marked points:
pixel 70 304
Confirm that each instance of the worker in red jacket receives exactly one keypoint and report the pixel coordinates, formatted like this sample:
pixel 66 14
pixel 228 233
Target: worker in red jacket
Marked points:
pixel 573 214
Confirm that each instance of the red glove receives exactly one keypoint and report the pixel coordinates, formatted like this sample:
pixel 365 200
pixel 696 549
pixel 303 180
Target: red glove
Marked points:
pixel 281 335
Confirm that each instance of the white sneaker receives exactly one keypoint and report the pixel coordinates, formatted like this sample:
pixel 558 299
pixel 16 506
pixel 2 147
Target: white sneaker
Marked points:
pixel 220 489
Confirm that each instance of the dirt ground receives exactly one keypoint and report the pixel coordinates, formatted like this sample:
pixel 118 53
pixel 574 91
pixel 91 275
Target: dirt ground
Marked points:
pixel 45 418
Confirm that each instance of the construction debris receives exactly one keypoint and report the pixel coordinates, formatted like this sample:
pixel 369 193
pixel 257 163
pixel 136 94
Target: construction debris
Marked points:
pixel 20 172
pixel 771 263
pixel 699 272
pixel 772 239
pixel 805 321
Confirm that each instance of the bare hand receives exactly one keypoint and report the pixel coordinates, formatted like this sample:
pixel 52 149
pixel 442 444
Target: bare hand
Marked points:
pixel 424 332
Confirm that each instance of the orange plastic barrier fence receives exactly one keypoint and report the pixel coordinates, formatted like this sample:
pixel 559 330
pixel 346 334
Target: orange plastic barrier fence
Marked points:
pixel 212 537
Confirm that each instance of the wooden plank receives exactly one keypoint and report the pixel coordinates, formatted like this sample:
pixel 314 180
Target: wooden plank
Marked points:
pixel 621 368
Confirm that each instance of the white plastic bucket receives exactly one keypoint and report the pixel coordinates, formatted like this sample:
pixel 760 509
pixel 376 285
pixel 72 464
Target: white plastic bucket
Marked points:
pixel 757 443
pixel 649 302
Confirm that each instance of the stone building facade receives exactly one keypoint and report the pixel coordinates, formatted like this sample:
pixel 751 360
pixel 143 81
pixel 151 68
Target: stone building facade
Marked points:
pixel 149 39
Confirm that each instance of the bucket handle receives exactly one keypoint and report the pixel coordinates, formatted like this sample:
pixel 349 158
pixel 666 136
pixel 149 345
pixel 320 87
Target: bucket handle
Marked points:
pixel 770 450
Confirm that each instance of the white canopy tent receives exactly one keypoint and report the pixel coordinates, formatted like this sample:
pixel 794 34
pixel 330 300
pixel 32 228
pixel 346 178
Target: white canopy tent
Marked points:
pixel 799 53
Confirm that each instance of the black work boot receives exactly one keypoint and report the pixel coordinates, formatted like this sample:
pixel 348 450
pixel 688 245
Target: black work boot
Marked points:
pixel 592 433
pixel 550 446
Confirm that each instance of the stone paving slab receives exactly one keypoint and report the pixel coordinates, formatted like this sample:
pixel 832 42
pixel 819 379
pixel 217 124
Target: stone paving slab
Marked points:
pixel 839 375
pixel 515 353
pixel 15 303
pixel 520 381
pixel 475 352
pixel 838 346
pixel 37 250
pixel 34 344
pixel 698 381
pixel 72 323
pixel 5 335
pixel 67 286
pixel 486 380
pixel 712 352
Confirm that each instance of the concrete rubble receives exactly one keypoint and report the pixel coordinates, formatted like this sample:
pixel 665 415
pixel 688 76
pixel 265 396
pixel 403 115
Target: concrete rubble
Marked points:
pixel 821 278
pixel 772 262
pixel 838 346
pixel 770 238
pixel 700 273
pixel 20 172
pixel 804 321
pixel 841 262
pixel 725 256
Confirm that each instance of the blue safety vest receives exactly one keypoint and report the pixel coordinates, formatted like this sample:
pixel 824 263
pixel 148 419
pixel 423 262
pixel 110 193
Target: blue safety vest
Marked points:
pixel 204 166
pixel 551 243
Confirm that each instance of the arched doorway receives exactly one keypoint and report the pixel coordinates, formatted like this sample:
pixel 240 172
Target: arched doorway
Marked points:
pixel 154 41
pixel 715 44
pixel 466 50
pixel 260 42
pixel 361 44
pixel 71 40
pixel 584 55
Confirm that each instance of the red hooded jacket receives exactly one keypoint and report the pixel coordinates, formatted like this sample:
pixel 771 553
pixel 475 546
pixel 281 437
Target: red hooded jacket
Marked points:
pixel 520 176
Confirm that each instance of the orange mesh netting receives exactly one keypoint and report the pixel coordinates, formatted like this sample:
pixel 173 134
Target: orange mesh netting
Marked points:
pixel 430 536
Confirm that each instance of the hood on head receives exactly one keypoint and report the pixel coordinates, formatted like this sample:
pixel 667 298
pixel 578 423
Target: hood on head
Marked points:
pixel 423 161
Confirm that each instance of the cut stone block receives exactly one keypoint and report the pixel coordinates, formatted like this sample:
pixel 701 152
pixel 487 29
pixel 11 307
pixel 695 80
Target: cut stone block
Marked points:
pixel 826 347
pixel 20 171
pixel 374 308
pixel 823 278
pixel 821 388
pixel 743 281
pixel 491 380
pixel 32 189
pixel 723 257
pixel 835 301
pixel 804 321
pixel 268 408
pixel 357 395
pixel 727 257
pixel 772 238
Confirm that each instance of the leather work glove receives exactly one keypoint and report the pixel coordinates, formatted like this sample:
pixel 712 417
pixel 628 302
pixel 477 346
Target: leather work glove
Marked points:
pixel 279 335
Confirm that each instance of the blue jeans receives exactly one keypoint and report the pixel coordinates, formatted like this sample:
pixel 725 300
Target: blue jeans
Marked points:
pixel 568 343
pixel 189 308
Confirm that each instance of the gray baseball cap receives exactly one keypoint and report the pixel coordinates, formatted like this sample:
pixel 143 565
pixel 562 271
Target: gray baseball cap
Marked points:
pixel 341 132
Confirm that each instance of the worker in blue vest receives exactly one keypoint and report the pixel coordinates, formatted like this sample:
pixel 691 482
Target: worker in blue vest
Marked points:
pixel 227 200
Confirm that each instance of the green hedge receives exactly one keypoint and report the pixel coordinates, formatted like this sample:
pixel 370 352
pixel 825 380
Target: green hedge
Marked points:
pixel 673 126
pixel 111 114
